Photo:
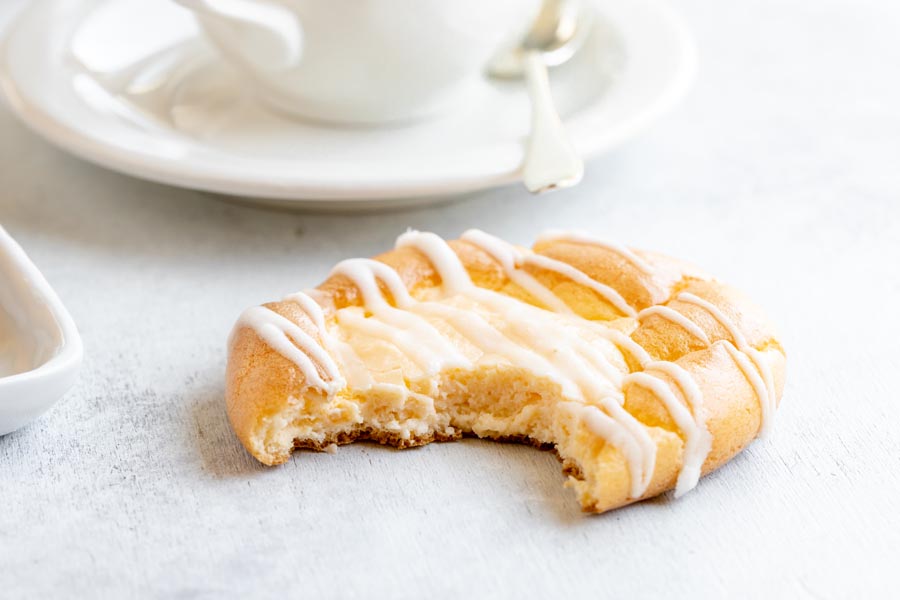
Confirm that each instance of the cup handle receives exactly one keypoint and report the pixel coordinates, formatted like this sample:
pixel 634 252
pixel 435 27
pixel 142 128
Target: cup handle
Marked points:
pixel 267 36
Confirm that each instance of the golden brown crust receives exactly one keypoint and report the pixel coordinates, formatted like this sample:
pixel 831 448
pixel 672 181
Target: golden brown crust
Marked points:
pixel 260 382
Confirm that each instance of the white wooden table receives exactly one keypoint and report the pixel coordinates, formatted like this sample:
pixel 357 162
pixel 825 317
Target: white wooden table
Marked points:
pixel 780 173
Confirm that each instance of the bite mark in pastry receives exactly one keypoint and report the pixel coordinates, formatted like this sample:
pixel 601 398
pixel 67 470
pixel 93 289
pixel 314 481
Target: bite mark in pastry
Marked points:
pixel 642 372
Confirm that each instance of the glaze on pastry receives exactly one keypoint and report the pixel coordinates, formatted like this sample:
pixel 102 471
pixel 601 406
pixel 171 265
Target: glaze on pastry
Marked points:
pixel 642 372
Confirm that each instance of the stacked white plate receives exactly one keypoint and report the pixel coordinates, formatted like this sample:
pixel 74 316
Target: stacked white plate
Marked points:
pixel 131 84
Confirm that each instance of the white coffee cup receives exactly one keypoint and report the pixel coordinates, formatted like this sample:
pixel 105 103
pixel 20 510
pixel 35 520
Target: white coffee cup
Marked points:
pixel 360 61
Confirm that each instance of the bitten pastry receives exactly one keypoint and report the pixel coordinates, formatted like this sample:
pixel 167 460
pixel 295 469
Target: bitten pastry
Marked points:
pixel 640 371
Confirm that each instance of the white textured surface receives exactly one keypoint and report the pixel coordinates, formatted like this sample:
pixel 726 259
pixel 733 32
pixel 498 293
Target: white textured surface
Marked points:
pixel 780 174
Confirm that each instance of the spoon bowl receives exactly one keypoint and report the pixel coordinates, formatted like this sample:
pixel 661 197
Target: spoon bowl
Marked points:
pixel 556 45
pixel 551 161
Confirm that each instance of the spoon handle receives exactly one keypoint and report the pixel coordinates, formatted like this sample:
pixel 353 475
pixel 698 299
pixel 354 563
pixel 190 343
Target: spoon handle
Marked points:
pixel 551 161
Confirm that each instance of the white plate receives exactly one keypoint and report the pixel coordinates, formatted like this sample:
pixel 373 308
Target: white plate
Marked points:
pixel 129 84
pixel 40 349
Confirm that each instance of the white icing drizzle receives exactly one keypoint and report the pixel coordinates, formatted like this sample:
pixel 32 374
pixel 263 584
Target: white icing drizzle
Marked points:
pixel 353 368
pixel 559 349
pixel 757 369
pixel 366 273
pixel 312 310
pixel 493 342
pixel 556 353
pixel 511 258
pixel 692 423
pixel 522 318
pixel 581 278
pixel 639 452
pixel 580 237
pixel 751 371
pixel 454 277
pixel 410 333
pixel 676 317
pixel 698 441
pixel 555 345
pixel 288 339
pixel 641 436
pixel 689 388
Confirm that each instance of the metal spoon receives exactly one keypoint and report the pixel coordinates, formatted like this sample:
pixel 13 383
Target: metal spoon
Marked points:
pixel 557 32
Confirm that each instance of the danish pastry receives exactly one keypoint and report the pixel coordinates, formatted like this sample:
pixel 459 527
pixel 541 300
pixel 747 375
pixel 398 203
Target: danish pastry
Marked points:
pixel 639 370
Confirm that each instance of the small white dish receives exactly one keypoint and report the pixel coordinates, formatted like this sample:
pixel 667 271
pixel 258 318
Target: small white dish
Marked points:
pixel 40 349
pixel 131 85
